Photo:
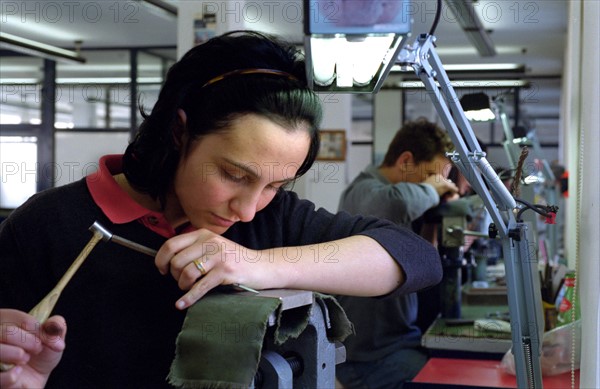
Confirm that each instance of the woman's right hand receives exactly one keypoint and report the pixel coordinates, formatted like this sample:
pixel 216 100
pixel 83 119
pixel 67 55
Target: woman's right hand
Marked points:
pixel 31 350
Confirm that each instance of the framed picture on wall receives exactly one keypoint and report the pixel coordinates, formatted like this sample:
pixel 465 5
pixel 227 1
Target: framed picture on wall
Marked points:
pixel 333 145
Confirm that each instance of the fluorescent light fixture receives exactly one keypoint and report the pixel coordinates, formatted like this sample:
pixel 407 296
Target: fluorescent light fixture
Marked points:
pixel 481 115
pixel 477 107
pixel 19 81
pixel 352 49
pixel 534 179
pixel 487 67
pixel 471 67
pixel 64 125
pixel 107 80
pixel 458 84
pixel 448 52
pixel 523 141
pixel 9 119
pixel 469 21
pixel 348 62
pixel 83 80
pixel 103 67
pixel 38 49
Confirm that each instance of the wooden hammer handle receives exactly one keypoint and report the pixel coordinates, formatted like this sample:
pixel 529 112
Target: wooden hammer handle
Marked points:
pixel 43 309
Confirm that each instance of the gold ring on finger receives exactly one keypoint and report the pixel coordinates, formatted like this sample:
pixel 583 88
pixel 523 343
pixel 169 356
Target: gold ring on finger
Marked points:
pixel 199 266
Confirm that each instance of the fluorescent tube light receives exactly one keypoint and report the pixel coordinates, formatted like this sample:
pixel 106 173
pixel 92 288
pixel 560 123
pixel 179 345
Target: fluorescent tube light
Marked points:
pixel 480 115
pixel 38 49
pixel 473 84
pixel 472 67
pixel 108 80
pixel 83 80
pixel 19 81
pixel 477 107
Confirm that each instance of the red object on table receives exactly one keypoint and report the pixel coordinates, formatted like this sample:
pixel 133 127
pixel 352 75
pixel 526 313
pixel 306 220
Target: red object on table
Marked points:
pixel 481 373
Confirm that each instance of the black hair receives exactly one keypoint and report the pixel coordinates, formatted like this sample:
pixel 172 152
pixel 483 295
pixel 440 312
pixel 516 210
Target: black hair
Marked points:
pixel 151 159
pixel 424 139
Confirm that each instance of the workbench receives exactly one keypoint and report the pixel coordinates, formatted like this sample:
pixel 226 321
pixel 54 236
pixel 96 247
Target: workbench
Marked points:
pixel 465 340
pixel 465 358
pixel 448 373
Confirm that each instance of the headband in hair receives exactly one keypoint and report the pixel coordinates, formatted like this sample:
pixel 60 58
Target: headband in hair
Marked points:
pixel 250 71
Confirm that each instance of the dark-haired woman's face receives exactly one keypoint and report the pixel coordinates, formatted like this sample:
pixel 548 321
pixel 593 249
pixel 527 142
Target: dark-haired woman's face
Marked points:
pixel 229 176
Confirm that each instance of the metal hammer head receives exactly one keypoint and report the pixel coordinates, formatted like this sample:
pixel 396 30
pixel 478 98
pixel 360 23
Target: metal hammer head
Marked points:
pixel 97 227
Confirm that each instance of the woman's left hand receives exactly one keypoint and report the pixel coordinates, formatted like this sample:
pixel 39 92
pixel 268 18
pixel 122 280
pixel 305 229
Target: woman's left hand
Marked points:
pixel 201 260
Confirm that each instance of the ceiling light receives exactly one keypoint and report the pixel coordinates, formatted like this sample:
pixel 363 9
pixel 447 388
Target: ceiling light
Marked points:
pixel 500 67
pixel 38 49
pixel 83 80
pixel 107 80
pixel 19 81
pixel 471 67
pixel 473 84
pixel 477 107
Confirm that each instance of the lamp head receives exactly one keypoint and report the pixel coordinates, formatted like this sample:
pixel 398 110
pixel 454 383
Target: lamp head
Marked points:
pixel 351 45
pixel 477 107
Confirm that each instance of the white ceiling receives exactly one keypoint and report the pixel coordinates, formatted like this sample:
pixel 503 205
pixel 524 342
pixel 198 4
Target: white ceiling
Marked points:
pixel 106 23
pixel 523 31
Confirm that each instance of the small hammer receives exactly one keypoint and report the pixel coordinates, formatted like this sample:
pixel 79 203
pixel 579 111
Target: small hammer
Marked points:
pixel 43 309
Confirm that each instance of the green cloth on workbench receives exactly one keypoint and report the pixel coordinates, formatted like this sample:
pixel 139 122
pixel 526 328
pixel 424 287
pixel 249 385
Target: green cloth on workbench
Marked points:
pixel 220 343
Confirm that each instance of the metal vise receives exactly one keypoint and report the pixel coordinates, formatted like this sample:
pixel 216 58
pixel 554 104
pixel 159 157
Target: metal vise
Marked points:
pixel 307 361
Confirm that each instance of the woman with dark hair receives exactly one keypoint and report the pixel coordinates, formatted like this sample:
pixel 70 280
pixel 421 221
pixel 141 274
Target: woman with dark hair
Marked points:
pixel 203 183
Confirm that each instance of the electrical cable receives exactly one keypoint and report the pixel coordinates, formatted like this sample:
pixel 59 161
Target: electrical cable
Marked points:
pixel 438 13
pixel 540 209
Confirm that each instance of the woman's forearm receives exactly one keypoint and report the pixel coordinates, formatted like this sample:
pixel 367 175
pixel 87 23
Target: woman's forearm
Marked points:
pixel 356 265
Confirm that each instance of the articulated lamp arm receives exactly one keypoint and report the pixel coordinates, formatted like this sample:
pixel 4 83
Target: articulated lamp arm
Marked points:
pixel 469 157
pixel 524 295
pixel 512 148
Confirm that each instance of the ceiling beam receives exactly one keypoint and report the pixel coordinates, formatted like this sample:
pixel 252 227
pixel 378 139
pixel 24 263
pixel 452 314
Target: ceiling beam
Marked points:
pixel 470 23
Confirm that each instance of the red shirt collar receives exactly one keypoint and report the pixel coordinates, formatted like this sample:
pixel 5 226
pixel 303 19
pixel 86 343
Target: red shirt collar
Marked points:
pixel 116 204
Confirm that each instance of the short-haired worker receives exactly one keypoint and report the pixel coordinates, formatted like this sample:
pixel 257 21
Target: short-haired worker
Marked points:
pixel 204 178
pixel 385 351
